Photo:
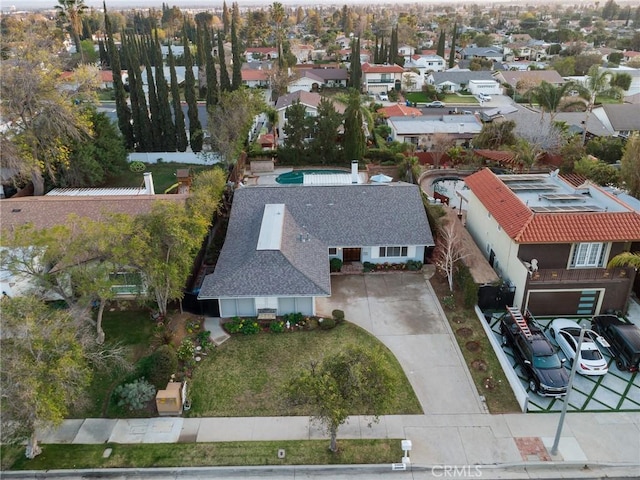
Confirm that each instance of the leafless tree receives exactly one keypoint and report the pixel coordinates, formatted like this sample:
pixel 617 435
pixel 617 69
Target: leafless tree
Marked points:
pixel 450 249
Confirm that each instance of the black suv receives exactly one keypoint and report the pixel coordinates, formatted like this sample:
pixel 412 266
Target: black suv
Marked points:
pixel 537 357
pixel 623 338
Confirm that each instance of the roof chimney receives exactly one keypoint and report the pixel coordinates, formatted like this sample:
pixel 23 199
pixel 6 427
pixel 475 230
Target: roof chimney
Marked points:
pixel 354 171
pixel 148 183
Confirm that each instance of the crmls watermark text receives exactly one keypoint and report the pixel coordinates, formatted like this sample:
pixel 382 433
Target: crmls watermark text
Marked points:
pixel 456 471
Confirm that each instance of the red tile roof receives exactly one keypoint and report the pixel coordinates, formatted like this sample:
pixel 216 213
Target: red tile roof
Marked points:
pixel 525 226
pixel 496 155
pixel 400 110
pixel 249 74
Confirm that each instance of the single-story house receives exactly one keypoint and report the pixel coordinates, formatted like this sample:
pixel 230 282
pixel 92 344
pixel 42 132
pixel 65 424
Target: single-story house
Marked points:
pixel 530 78
pixel 255 78
pixel 620 119
pixel 421 131
pixel 280 240
pixel 489 53
pixel 456 80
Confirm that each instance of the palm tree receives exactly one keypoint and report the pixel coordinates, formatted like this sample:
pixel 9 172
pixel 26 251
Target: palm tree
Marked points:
pixel 625 259
pixel 71 11
pixel 597 83
pixel 525 153
pixel 277 15
pixel 549 97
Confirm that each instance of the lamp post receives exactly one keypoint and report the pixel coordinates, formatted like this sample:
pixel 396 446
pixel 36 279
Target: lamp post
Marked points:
pixel 574 367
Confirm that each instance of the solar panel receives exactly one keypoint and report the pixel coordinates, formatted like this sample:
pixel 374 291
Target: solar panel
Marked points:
pixel 538 186
pixel 562 196
pixel 566 209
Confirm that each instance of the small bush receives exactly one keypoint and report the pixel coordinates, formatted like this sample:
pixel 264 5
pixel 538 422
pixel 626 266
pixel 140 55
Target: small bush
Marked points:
pixel 368 267
pixel 414 265
pixel 250 327
pixel 159 366
pixel 464 281
pixel 338 316
pixel 449 301
pixel 186 350
pixel 335 265
pixel 326 323
pixel 276 326
pixel 135 395
pixel 204 339
pixel 293 318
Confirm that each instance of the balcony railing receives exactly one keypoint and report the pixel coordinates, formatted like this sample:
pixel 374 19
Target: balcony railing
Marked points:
pixel 580 274
pixel 381 80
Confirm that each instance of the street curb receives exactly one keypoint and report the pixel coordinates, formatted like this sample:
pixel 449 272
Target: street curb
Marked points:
pixel 580 467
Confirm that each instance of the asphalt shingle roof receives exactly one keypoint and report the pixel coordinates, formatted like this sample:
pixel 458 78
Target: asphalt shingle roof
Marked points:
pixel 322 216
pixel 524 226
pixel 623 117
pixel 460 77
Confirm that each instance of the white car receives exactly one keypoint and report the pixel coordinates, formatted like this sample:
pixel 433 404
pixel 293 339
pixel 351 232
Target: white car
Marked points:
pixel 484 97
pixel 384 97
pixel 566 333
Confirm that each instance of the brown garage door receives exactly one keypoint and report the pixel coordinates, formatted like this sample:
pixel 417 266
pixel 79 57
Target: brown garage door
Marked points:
pixel 556 303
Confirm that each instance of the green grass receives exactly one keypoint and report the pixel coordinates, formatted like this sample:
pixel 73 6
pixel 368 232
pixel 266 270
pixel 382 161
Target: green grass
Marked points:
pixel 486 371
pixel 309 452
pixel 164 175
pixel 607 100
pixel 134 330
pixel 461 99
pixel 246 375
pixel 414 97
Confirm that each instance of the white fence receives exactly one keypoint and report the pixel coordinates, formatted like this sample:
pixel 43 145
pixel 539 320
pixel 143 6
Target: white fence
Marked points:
pixel 200 158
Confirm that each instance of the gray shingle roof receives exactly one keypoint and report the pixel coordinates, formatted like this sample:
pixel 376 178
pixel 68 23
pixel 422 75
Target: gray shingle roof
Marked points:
pixel 325 216
pixel 623 116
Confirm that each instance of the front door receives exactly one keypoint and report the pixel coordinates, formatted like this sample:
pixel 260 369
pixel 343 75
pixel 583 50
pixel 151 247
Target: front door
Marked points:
pixel 351 254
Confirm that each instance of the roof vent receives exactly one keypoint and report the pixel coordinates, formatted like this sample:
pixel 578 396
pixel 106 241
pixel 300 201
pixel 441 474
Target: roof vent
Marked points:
pixel 16 210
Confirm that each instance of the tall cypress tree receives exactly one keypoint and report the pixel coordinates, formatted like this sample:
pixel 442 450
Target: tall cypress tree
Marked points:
pixel 178 114
pixel 154 109
pixel 376 51
pixel 393 47
pixel 139 109
pixel 452 53
pixel 355 77
pixel 195 128
pixel 440 50
pixel 212 75
pixel 168 128
pixel 225 83
pixel 236 82
pixel 354 141
pixel 122 109
pixel 226 18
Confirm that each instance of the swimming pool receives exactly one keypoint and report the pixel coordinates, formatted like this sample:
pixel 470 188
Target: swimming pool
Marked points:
pixel 296 176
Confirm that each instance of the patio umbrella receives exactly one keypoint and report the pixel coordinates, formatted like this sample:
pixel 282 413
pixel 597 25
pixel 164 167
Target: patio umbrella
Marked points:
pixel 381 178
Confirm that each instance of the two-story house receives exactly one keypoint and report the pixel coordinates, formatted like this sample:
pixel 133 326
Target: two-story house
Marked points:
pixel 552 241
pixel 314 79
pixel 378 78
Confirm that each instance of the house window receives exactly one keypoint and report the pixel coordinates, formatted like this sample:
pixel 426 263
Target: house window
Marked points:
pixel 333 251
pixel 393 251
pixel 587 255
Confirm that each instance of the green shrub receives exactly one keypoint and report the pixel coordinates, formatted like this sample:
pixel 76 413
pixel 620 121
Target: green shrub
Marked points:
pixel 449 301
pixel 326 323
pixel 204 339
pixel 464 282
pixel 135 395
pixel 276 326
pixel 338 316
pixel 368 267
pixel 293 318
pixel 186 350
pixel 234 325
pixel 414 265
pixel 159 366
pixel 335 265
pixel 250 327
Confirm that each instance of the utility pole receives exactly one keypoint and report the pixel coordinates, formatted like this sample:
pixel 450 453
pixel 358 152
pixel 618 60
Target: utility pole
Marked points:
pixel 574 367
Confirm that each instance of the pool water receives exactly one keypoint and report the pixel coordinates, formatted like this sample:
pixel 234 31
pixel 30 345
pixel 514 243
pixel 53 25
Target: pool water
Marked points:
pixel 296 176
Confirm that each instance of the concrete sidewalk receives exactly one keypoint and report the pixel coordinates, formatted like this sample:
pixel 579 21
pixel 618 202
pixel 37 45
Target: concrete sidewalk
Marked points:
pixel 460 439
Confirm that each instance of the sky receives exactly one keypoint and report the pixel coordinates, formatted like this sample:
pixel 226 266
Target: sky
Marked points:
pixel 117 4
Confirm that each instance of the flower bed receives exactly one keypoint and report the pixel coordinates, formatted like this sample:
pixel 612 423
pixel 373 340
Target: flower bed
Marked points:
pixel 410 265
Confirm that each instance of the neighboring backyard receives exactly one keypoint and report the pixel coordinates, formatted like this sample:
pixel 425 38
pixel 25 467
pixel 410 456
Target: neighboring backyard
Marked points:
pixel 164 175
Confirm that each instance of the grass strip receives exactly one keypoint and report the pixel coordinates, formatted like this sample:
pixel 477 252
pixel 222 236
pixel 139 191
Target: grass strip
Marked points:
pixel 302 452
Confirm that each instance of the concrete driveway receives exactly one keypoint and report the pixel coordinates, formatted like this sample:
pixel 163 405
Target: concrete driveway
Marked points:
pixel 403 312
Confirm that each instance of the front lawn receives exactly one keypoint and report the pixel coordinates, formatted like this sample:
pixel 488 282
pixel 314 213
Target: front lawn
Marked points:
pixel 460 99
pixel 417 97
pixel 132 329
pixel 246 374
